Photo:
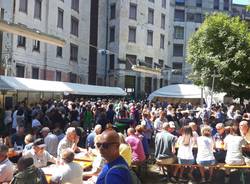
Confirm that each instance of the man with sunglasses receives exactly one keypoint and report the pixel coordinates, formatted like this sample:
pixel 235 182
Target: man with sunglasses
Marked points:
pixel 116 169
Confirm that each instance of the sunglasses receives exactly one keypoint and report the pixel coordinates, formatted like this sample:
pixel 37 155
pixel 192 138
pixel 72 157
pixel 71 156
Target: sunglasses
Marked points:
pixel 105 145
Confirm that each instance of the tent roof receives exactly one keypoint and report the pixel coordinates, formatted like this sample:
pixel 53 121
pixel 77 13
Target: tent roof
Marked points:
pixel 177 91
pixel 24 84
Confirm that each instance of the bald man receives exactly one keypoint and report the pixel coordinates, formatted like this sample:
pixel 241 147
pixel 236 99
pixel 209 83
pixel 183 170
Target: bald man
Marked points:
pixel 245 130
pixel 116 169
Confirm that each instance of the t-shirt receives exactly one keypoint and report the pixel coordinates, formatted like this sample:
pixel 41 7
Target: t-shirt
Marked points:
pixel 18 141
pixel 205 149
pixel 126 153
pixel 63 144
pixel 35 123
pixel 90 141
pixel 163 145
pixel 116 175
pixel 185 151
pixel 6 171
pixel 51 142
pixel 41 160
pixel 137 148
pixel 233 144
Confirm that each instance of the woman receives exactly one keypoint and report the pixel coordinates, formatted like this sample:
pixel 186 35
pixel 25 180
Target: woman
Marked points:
pixel 125 149
pixel 233 144
pixel 205 156
pixel 185 152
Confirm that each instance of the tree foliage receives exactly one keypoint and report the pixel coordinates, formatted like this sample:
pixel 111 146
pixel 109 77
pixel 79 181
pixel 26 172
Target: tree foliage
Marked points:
pixel 221 45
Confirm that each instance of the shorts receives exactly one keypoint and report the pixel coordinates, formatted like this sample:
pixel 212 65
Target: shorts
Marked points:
pixel 164 161
pixel 186 161
pixel 206 162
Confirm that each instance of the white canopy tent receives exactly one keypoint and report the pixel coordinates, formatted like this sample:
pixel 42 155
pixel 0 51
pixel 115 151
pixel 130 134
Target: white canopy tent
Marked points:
pixel 34 85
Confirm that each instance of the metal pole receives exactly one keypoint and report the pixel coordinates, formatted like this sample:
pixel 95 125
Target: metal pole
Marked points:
pixel 212 92
pixel 202 97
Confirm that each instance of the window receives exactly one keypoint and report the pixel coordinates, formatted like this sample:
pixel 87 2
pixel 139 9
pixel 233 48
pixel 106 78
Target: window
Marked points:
pixel 36 45
pixel 177 68
pixel 133 11
pixel 58 51
pixel 19 71
pixel 179 15
pixel 73 52
pixel 162 40
pixel 151 16
pixel 38 9
pixel 163 17
pixel 150 37
pixel 130 60
pixel 163 3
pixel 58 76
pixel 180 2
pixel 60 18
pixel 75 5
pixel 190 17
pixel 152 1
pixel 226 5
pixel 21 41
pixel 178 50
pixel 198 18
pixel 149 62
pixel 161 62
pixel 178 32
pixel 23 6
pixel 72 77
pixel 132 34
pixel 112 62
pixel 74 26
pixel 216 4
pixel 112 11
pixel 198 3
pixel 35 73
pixel 112 34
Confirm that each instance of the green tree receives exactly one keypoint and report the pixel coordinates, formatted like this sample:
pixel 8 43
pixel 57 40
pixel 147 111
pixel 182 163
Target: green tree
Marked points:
pixel 221 45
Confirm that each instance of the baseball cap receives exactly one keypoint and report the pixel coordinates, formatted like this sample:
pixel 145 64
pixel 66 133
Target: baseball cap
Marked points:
pixel 39 143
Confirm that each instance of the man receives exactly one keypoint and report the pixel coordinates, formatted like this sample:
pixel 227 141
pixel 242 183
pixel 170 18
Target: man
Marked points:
pixel 35 121
pixel 28 173
pixel 50 140
pixel 40 156
pixel 138 154
pixel 164 146
pixel 219 137
pixel 116 168
pixel 6 166
pixel 159 121
pixel 69 172
pixel 69 141
pixel 17 140
pixel 245 130
pixel 91 137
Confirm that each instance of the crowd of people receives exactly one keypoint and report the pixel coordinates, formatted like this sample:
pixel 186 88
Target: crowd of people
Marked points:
pixel 50 132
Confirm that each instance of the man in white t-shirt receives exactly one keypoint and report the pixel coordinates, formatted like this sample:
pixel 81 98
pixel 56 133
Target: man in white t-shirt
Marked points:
pixel 51 141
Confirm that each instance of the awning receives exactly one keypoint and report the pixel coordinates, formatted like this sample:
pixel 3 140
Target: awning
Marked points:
pixel 33 85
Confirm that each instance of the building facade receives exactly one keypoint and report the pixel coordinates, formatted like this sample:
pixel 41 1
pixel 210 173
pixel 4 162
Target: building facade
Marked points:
pixel 185 18
pixel 24 57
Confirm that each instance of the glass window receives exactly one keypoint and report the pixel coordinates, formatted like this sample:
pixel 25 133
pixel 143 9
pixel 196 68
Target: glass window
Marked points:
pixel 73 52
pixel 112 11
pixel 177 68
pixel 38 9
pixel 226 5
pixel 132 34
pixel 178 50
pixel 60 18
pixel 161 62
pixel 152 1
pixel 20 70
pixel 35 73
pixel 58 76
pixel 163 3
pixel 133 11
pixel 58 51
pixel 21 41
pixel 179 15
pixel 150 37
pixel 149 62
pixel 178 32
pixel 23 5
pixel 151 16
pixel 180 2
pixel 190 17
pixel 130 60
pixel 198 3
pixel 36 46
pixel 74 26
pixel 112 34
pixel 198 18
pixel 75 5
pixel 111 61
pixel 162 40
pixel 163 17
pixel 216 4
pixel 72 77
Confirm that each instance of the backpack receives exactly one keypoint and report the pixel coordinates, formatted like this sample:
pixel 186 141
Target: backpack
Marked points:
pixel 134 178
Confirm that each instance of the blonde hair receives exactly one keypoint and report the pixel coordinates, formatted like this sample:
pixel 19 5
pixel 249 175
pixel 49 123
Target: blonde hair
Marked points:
pixel 206 131
pixel 122 138
pixel 28 139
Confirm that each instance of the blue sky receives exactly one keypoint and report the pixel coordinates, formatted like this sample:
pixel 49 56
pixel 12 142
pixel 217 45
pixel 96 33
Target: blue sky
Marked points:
pixel 241 1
